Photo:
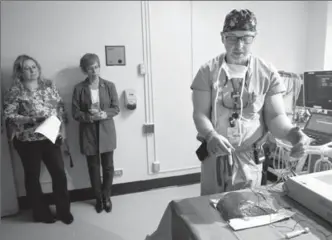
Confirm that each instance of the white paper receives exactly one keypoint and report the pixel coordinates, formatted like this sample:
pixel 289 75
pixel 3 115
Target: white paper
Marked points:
pixel 50 128
pixel 250 222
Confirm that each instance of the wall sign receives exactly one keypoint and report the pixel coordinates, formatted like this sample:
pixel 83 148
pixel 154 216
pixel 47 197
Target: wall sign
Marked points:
pixel 115 55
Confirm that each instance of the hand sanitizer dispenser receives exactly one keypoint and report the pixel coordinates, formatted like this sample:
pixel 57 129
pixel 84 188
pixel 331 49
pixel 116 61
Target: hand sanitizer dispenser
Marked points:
pixel 130 99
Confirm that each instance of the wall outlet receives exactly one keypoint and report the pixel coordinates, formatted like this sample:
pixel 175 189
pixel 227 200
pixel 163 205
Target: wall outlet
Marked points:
pixel 118 172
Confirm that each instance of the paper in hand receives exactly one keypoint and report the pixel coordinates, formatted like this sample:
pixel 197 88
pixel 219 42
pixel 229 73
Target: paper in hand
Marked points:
pixel 50 128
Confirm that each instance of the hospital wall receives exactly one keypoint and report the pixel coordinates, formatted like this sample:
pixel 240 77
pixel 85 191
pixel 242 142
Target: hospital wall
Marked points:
pixel 316 35
pixel 328 42
pixel 179 38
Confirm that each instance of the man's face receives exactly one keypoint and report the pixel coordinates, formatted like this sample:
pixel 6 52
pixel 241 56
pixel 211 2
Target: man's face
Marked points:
pixel 238 45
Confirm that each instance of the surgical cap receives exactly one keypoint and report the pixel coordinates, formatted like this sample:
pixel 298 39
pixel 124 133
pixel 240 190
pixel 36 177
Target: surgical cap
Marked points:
pixel 240 20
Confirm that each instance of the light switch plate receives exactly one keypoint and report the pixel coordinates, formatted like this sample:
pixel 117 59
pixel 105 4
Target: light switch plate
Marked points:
pixel 115 55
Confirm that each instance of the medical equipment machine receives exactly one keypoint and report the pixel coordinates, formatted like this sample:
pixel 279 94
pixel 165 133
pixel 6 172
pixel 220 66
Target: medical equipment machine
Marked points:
pixel 314 190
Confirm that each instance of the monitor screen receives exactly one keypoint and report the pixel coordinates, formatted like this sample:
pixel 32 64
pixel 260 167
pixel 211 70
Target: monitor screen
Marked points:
pixel 320 123
pixel 318 89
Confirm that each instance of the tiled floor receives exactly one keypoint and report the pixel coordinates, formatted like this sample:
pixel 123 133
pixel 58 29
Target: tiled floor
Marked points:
pixel 133 217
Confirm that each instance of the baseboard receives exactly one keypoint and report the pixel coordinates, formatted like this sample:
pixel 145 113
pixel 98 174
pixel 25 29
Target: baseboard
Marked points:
pixel 126 188
pixel 122 188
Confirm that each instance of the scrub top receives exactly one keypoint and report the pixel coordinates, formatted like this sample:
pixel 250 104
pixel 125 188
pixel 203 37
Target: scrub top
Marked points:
pixel 262 80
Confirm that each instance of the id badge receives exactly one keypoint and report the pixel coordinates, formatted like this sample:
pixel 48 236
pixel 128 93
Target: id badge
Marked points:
pixel 233 134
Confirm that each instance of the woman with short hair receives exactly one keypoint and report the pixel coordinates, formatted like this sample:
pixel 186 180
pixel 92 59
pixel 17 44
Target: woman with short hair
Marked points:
pixel 94 105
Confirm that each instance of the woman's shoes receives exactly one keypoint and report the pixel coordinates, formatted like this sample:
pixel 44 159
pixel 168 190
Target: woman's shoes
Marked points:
pixel 48 219
pixel 66 218
pixel 99 206
pixel 103 204
pixel 44 216
pixel 107 204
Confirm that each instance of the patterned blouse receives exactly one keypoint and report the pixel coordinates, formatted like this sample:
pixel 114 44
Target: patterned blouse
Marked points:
pixel 21 102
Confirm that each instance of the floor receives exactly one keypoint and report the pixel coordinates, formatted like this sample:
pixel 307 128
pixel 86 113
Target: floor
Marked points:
pixel 133 217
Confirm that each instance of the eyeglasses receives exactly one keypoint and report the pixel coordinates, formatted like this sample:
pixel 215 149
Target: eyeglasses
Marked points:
pixel 29 69
pixel 234 39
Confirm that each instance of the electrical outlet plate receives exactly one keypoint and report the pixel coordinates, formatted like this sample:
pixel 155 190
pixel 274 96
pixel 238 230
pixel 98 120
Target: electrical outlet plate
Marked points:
pixel 148 128
pixel 118 172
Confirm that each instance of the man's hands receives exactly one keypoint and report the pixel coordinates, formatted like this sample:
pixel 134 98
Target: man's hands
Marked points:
pixel 218 145
pixel 300 141
pixel 298 149
pixel 97 114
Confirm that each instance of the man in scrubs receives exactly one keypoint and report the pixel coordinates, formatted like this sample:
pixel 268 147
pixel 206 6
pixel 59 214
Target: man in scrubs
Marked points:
pixel 237 99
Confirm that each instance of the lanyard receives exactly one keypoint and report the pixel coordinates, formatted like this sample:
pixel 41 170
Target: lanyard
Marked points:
pixel 235 115
pixel 236 94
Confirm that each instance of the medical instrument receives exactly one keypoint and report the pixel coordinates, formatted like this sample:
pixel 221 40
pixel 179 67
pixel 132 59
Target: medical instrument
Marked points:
pixel 316 189
pixel 297 233
pixel 323 150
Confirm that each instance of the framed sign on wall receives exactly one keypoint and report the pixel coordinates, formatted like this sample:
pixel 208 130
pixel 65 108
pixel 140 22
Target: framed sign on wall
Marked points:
pixel 115 55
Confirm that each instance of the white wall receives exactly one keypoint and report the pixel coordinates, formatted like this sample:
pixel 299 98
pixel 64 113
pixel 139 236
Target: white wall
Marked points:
pixel 328 41
pixel 8 196
pixel 281 31
pixel 183 36
pixel 171 58
pixel 58 34
pixel 316 35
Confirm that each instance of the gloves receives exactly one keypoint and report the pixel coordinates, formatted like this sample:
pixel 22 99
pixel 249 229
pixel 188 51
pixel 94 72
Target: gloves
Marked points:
pixel 299 140
pixel 218 145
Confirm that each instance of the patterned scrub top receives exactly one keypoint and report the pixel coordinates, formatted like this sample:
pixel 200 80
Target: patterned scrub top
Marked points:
pixel 21 102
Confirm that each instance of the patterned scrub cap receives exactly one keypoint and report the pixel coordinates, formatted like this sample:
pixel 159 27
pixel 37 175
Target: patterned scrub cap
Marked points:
pixel 240 20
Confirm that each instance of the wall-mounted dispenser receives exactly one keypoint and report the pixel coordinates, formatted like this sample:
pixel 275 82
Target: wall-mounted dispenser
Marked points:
pixel 130 99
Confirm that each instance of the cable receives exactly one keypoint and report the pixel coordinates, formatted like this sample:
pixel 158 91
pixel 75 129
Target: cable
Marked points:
pixel 216 100
pixel 241 110
pixel 307 223
pixel 274 224
pixel 253 205
pixel 258 204
pixel 297 222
